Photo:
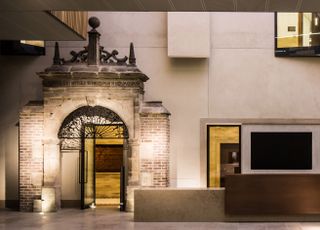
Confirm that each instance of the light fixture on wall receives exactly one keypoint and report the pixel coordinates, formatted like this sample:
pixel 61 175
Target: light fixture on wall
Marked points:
pixel 33 43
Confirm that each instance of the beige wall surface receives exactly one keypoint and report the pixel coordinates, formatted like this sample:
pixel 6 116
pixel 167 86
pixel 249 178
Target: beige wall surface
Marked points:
pixel 179 82
pixel 247 81
pixel 11 164
pixel 188 34
pixel 241 79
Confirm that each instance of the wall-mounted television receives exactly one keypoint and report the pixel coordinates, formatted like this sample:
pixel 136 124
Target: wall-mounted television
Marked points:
pixel 297 34
pixel 281 150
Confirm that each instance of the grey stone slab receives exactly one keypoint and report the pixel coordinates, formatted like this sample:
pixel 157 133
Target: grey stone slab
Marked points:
pixel 252 226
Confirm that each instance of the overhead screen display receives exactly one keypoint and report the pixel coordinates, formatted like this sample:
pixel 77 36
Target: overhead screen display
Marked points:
pixel 297 34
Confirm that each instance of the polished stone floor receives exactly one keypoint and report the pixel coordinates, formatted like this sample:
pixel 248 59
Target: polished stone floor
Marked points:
pixel 104 218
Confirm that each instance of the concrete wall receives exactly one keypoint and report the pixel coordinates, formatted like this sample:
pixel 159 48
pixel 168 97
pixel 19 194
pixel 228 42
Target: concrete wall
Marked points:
pixel 11 167
pixel 241 79
pixel 18 85
pixel 247 81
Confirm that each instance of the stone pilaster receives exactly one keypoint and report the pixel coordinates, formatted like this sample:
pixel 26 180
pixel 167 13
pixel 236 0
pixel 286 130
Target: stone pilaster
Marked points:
pixel 51 179
pixel 154 150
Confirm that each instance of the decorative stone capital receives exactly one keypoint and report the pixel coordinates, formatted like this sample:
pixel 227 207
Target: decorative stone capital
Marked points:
pixel 153 107
pixel 51 141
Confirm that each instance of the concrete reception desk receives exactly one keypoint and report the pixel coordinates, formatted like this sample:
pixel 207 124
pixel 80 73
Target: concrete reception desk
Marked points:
pixel 172 204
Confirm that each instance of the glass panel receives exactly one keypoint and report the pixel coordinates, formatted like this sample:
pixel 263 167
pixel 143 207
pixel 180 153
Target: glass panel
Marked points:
pixel 122 189
pixel 89 172
pixel 288 30
pixel 88 179
pixel 223 153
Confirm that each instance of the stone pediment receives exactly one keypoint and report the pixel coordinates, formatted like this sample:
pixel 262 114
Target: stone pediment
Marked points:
pixel 93 62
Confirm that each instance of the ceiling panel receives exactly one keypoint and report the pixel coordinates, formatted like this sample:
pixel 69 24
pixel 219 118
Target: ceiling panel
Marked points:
pixel 124 5
pixel 156 5
pixel 190 5
pixel 159 5
pixel 283 5
pixel 218 5
pixel 30 26
pixel 310 6
pixel 7 5
pixel 251 5
pixel 41 5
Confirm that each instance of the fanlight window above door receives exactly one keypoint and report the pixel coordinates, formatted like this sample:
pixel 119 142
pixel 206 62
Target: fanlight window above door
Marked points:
pixel 99 121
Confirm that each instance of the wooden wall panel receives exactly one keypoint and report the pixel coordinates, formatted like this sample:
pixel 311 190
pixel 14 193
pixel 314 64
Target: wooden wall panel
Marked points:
pixel 76 20
pixel 285 194
pixel 109 158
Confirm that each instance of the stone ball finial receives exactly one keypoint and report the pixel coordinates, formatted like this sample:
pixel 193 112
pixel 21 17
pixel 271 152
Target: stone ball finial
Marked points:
pixel 94 22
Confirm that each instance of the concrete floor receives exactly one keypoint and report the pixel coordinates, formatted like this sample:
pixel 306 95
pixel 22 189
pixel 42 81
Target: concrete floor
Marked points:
pixel 104 218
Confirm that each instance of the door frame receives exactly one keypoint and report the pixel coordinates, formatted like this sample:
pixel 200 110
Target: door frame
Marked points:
pixel 208 126
pixel 82 164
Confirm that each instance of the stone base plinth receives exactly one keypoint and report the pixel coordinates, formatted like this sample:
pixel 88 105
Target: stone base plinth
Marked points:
pixel 48 199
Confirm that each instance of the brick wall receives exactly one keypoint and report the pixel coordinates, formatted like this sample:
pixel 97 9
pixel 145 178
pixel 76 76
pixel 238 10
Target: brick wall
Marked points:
pixel 154 158
pixel 31 154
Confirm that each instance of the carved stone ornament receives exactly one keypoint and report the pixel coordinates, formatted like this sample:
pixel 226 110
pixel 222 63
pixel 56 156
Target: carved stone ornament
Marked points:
pixel 94 54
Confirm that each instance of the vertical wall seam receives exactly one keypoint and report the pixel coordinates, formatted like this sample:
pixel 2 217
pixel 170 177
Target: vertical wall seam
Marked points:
pixel 209 63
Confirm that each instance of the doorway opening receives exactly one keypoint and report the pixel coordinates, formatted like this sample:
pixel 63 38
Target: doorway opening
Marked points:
pixel 224 155
pixel 102 167
pixel 101 138
pixel 109 163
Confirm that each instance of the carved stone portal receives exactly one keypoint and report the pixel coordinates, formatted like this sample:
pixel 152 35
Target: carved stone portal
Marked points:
pixel 94 87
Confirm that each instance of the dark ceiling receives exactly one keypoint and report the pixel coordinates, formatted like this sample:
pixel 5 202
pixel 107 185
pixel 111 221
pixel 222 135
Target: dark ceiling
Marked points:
pixel 28 19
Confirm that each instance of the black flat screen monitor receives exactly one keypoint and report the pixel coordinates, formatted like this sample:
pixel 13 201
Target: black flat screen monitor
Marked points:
pixel 281 150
